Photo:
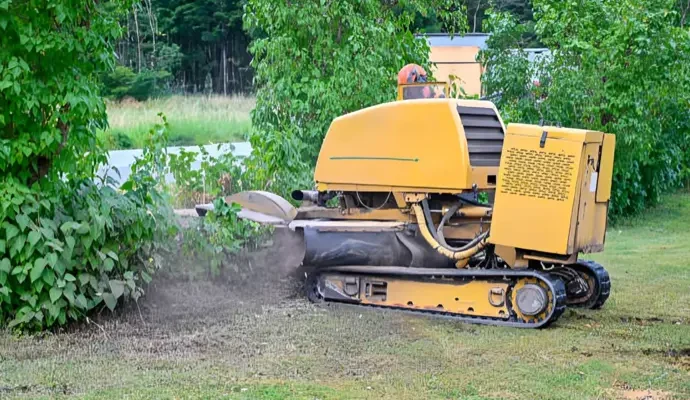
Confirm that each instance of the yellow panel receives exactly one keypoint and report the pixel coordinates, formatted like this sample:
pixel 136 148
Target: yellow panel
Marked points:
pixel 606 168
pixel 536 189
pixel 485 177
pixel 600 222
pixel 586 215
pixel 460 62
pixel 412 143
pixel 468 298
pixel 441 54
pixel 469 74
pixel 418 145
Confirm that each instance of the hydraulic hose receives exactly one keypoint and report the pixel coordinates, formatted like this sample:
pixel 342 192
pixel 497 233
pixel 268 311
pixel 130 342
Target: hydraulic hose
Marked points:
pixel 474 211
pixel 439 231
pixel 426 227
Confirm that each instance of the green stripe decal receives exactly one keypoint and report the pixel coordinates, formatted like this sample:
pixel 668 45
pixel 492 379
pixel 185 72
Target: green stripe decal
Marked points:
pixel 377 158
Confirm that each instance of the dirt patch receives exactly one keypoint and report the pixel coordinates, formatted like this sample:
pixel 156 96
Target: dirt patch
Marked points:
pixel 644 395
pixel 623 391
pixel 676 353
pixel 575 314
pixel 258 326
pixel 680 357
pixel 180 317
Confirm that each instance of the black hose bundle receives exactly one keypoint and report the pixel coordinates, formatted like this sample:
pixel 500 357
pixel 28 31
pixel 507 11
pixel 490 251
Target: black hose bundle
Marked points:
pixel 437 233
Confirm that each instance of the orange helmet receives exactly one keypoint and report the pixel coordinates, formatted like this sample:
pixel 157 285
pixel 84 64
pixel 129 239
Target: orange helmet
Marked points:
pixel 413 73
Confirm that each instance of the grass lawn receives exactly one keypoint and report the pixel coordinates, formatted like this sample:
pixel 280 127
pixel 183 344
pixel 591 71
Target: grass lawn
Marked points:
pixel 264 341
pixel 194 120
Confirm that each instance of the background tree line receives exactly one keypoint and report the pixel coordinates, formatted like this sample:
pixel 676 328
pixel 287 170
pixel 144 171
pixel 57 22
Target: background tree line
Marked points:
pixel 200 46
pixel 181 46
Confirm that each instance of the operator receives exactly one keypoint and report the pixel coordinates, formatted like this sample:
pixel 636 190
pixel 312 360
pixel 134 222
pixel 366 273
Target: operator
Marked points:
pixel 413 73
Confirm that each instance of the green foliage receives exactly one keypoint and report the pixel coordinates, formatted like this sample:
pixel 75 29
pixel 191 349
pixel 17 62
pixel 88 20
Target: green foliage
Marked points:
pixel 67 244
pixel 149 84
pixel 122 141
pixel 203 45
pixel 522 11
pixel 617 66
pixel 217 239
pixel 123 82
pixel 319 60
pixel 221 175
pixel 48 110
pixel 118 83
pixel 168 58
pixel 509 75
pixel 204 33
pixel 65 253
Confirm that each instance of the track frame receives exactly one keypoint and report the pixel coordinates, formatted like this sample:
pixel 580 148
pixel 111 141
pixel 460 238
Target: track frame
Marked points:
pixel 318 290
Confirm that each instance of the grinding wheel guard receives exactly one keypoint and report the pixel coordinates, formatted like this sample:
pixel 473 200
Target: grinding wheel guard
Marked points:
pixel 263 207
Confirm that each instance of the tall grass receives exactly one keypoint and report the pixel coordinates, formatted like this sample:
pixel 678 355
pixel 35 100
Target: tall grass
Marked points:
pixel 194 120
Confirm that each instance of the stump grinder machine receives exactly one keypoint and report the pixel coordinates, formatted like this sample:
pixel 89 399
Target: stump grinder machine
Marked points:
pixel 433 205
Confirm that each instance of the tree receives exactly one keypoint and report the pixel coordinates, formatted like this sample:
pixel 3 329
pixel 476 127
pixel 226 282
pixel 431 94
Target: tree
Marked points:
pixel 321 59
pixel 212 40
pixel 618 66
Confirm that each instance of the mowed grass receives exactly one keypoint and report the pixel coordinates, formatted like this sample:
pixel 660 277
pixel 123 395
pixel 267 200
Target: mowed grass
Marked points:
pixel 240 347
pixel 193 120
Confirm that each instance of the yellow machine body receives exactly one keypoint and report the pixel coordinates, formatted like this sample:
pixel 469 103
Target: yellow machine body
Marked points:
pixel 412 146
pixel 554 186
pixel 409 231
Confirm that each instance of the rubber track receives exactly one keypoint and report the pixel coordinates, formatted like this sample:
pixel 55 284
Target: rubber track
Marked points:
pixel 602 276
pixel 556 285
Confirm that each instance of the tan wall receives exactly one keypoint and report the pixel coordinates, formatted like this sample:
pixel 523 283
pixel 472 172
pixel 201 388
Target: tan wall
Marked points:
pixel 460 62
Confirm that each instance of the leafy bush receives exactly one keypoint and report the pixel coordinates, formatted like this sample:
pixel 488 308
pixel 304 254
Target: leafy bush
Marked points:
pixel 217 241
pixel 150 84
pixel 65 255
pixel 221 175
pixel 67 243
pixel 123 82
pixel 87 245
pixel 212 242
pixel 121 141
pixel 118 83
pixel 616 66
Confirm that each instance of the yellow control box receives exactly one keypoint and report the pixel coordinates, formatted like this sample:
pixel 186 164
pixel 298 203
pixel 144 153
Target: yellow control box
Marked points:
pixel 553 189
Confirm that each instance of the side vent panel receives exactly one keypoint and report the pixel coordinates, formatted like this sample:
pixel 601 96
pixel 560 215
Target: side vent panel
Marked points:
pixel 538 174
pixel 484 135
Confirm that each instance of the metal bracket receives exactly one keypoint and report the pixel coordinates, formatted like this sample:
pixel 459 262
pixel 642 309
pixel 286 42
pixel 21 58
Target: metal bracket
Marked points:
pixel 376 290
pixel 351 286
pixel 497 297
pixel 415 197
